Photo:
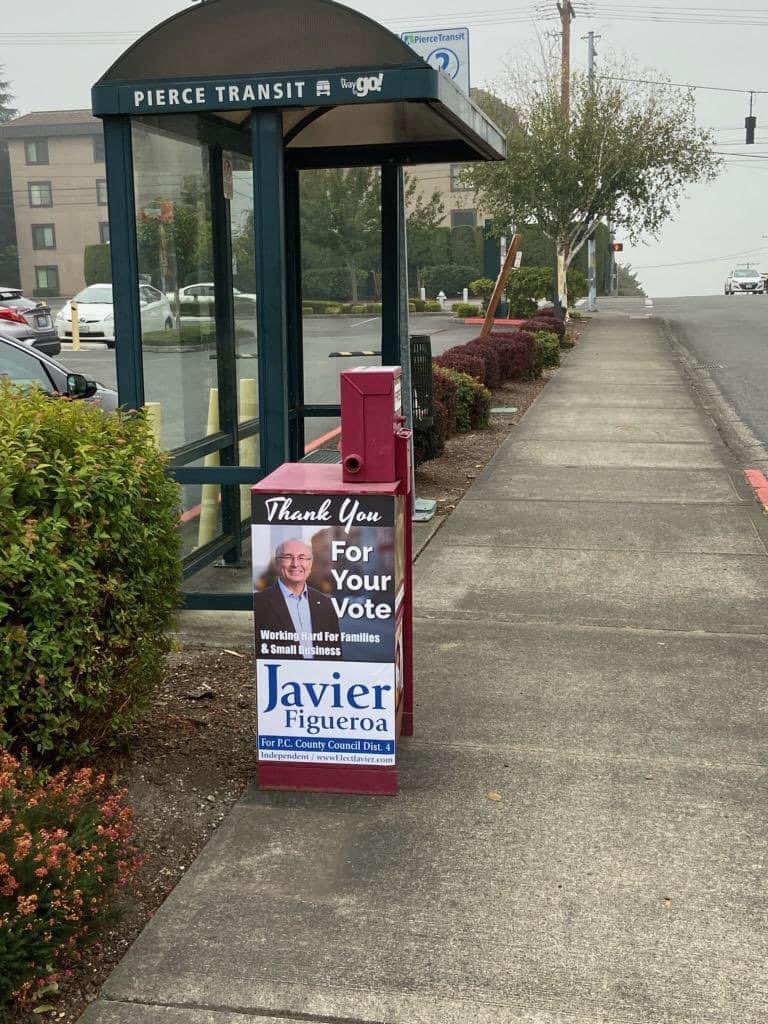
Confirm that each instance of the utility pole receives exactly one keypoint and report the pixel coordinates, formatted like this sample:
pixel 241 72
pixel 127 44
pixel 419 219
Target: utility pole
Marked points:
pixel 591 247
pixel 567 14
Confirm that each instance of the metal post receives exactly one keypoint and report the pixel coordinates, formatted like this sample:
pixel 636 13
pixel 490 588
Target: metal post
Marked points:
pixel 591 246
pixel 295 322
pixel 271 315
pixel 394 284
pixel 226 364
pixel 118 154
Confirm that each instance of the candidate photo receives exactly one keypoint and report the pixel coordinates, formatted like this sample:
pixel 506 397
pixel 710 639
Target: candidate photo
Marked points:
pixel 292 619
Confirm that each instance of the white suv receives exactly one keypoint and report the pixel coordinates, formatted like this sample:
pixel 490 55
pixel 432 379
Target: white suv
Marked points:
pixel 744 280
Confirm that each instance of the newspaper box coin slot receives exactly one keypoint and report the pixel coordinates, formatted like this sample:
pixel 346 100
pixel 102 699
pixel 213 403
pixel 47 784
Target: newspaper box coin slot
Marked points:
pixel 333 616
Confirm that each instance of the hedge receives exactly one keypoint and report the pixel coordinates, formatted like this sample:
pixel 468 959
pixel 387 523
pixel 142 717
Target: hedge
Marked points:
pixel 545 323
pixel 449 278
pixel 89 578
pixel 487 352
pixel 97 264
pixel 336 283
pixel 465 309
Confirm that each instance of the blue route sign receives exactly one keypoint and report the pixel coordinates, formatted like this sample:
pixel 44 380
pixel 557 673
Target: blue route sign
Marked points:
pixel 446 49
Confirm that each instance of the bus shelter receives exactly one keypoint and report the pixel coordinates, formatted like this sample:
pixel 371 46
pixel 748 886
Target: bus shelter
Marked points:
pixel 210 120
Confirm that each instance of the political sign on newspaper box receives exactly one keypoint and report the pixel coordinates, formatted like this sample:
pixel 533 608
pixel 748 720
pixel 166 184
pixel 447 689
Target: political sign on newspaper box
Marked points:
pixel 328 587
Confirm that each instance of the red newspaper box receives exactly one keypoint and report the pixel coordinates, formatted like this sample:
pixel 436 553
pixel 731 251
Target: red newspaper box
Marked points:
pixel 333 609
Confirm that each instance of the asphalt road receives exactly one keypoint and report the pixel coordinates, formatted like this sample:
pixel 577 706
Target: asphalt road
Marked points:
pixel 728 336
pixel 180 381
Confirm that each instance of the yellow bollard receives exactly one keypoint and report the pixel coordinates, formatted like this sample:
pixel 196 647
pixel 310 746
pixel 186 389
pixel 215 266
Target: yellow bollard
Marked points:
pixel 75 326
pixel 208 526
pixel 248 410
pixel 155 420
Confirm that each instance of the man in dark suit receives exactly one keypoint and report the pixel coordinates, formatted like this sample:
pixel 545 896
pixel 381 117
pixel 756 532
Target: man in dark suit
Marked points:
pixel 303 621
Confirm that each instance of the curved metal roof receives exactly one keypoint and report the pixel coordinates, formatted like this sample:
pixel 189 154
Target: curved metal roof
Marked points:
pixel 237 37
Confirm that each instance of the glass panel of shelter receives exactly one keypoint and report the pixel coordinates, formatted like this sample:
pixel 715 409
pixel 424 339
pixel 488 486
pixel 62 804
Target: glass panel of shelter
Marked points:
pixel 341 288
pixel 186 346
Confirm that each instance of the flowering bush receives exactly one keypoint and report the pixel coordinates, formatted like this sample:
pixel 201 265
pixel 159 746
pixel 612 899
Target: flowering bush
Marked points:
pixel 65 843
pixel 89 574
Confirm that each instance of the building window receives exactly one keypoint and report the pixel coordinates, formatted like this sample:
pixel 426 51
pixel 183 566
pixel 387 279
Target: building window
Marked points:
pixel 36 151
pixel 101 191
pixel 43 236
pixel 463 218
pixel 40 193
pixel 104 231
pixel 98 149
pixel 456 183
pixel 46 280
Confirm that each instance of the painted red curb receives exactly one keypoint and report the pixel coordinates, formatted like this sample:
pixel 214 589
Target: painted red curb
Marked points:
pixel 759 484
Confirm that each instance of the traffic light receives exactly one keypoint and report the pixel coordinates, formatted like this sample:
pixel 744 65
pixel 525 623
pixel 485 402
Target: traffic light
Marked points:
pixel 750 123
pixel 617 246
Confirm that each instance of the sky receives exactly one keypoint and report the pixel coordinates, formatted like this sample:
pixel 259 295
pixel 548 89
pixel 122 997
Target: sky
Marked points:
pixel 52 61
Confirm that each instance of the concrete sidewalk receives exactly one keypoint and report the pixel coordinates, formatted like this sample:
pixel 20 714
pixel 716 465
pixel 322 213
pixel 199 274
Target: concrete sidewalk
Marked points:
pixel 592 636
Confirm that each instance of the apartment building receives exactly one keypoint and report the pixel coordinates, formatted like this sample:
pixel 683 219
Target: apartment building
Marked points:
pixel 458 200
pixel 59 189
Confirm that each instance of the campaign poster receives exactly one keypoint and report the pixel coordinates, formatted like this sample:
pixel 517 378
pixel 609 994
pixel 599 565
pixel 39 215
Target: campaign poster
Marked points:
pixel 328 586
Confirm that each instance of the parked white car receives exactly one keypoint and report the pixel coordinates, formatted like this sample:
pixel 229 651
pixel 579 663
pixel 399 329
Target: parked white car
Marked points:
pixel 96 315
pixel 744 281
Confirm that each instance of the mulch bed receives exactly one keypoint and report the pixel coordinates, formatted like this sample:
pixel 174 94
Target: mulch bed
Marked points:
pixel 192 756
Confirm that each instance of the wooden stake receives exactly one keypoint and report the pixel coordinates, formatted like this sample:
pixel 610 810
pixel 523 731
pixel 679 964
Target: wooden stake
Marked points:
pixel 501 281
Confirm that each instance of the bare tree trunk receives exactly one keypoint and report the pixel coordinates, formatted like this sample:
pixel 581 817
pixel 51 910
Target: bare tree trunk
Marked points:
pixel 563 254
pixel 352 266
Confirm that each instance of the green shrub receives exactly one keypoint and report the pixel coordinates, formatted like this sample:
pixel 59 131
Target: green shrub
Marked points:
pixel 568 340
pixel 89 577
pixel 419 305
pixel 65 844
pixel 307 309
pixel 333 310
pixel 335 283
pixel 374 308
pixel 359 309
pixel 549 348
pixel 97 264
pixel 411 307
pixel 483 288
pixel 465 309
pixel 472 401
pixel 432 307
pixel 449 278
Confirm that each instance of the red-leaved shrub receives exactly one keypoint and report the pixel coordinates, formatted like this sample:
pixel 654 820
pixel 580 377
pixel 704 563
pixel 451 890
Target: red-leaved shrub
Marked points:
pixel 517 353
pixel 459 358
pixel 65 843
pixel 487 352
pixel 445 390
pixel 544 323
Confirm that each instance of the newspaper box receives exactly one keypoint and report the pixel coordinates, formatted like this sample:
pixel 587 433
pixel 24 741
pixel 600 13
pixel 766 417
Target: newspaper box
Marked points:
pixel 332 557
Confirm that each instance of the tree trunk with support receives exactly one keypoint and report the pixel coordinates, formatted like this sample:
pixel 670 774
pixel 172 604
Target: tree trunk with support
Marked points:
pixel 563 262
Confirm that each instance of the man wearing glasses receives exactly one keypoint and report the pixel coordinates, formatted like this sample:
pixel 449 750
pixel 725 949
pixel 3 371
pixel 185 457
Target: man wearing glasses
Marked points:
pixel 292 618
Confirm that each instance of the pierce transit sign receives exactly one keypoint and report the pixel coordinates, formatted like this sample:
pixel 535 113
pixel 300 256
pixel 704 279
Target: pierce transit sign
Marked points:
pixel 446 49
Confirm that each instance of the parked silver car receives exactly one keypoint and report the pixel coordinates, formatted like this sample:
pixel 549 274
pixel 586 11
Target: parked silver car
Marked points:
pixel 27 366
pixel 28 320
pixel 744 281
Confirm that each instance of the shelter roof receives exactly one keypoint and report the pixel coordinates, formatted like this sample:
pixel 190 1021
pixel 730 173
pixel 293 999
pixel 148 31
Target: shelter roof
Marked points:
pixel 350 89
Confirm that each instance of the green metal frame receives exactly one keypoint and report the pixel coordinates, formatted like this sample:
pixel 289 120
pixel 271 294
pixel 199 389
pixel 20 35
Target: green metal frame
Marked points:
pixel 278 158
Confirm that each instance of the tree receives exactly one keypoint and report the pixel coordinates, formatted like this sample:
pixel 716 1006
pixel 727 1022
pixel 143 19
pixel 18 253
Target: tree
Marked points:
pixel 9 262
pixel 627 283
pixel 341 217
pixel 626 153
